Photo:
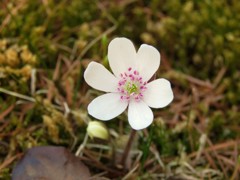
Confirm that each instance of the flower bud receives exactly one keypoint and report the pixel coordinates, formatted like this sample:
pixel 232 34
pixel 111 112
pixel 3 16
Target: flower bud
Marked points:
pixel 97 129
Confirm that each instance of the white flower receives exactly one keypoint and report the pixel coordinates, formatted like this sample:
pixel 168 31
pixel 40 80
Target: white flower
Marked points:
pixel 128 86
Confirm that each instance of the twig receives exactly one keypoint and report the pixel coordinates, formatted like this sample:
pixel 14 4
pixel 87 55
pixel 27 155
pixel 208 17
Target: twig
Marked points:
pixel 7 111
pixel 33 81
pixel 127 176
pixel 218 147
pixel 84 51
pixel 17 95
pixel 79 151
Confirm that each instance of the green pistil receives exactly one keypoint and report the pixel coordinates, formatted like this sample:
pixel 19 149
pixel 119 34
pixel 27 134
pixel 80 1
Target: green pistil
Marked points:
pixel 131 88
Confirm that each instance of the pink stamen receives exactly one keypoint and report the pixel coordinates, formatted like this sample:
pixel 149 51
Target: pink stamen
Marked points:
pixel 131 85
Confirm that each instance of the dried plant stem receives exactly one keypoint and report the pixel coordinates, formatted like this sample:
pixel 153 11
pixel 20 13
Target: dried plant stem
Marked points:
pixel 81 147
pixel 128 147
pixel 17 95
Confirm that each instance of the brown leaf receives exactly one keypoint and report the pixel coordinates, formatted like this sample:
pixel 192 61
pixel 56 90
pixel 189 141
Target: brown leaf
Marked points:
pixel 50 163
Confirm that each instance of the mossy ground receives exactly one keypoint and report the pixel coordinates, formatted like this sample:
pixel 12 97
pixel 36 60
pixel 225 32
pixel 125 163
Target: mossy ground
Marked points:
pixel 46 45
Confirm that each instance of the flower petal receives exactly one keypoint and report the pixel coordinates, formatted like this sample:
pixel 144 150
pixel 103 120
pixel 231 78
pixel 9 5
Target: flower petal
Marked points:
pixel 158 93
pixel 98 77
pixel 107 106
pixel 121 55
pixel 140 115
pixel 148 59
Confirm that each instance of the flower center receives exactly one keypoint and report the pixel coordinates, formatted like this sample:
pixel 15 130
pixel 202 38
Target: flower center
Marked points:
pixel 131 85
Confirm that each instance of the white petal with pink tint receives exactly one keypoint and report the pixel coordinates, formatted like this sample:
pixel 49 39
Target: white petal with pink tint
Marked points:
pixel 158 93
pixel 140 115
pixel 129 84
pixel 98 77
pixel 107 106
pixel 148 61
pixel 121 55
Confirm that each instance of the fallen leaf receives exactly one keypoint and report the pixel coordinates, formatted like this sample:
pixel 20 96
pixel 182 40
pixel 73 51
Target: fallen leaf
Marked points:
pixel 50 163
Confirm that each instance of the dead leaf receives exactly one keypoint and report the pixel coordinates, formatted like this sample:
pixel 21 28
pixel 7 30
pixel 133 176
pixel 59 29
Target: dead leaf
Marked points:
pixel 50 163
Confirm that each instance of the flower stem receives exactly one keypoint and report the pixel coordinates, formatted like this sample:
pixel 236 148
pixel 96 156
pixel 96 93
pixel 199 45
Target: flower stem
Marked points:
pixel 128 147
